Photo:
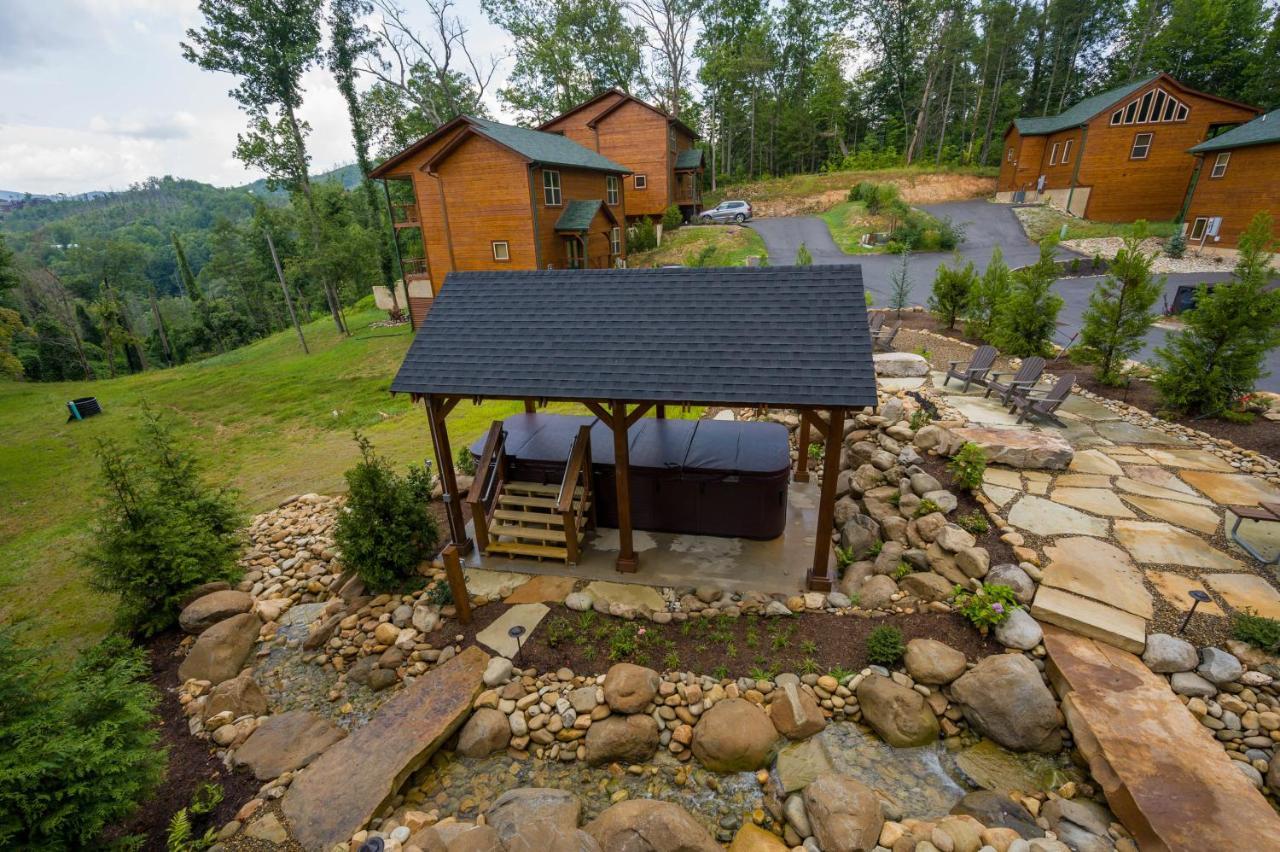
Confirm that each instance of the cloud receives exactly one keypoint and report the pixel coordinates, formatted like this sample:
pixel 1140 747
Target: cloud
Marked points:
pixel 178 125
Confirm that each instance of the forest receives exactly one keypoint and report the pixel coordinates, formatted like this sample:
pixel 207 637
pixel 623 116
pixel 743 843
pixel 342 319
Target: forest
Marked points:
pixel 173 270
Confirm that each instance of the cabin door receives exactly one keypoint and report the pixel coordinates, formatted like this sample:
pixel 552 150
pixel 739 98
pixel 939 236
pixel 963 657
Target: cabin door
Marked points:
pixel 573 251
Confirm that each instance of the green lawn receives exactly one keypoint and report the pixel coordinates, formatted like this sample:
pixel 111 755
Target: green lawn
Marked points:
pixel 1044 221
pixel 269 420
pixel 849 222
pixel 703 245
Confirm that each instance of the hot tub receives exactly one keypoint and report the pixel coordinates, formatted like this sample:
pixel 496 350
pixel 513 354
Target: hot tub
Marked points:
pixel 705 477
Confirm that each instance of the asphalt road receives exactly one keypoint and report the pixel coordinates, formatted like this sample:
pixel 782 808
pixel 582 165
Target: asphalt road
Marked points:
pixel 986 226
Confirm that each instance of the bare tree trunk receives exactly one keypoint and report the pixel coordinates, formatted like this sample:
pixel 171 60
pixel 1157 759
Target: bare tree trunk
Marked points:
pixel 946 112
pixel 164 337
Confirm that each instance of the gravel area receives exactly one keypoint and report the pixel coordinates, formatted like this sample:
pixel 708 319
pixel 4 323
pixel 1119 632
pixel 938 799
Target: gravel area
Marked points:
pixel 1189 262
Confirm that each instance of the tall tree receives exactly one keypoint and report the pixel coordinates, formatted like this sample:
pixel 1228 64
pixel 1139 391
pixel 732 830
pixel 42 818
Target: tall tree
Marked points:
pixel 668 25
pixel 8 267
pixel 1120 312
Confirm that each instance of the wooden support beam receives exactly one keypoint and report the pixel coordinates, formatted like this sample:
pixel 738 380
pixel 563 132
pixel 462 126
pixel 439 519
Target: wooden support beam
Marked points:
pixel 820 575
pixel 449 405
pixel 600 411
pixel 802 462
pixel 448 480
pixel 627 561
pixel 640 411
pixel 457 583
pixel 815 419
pixel 529 406
pixel 660 412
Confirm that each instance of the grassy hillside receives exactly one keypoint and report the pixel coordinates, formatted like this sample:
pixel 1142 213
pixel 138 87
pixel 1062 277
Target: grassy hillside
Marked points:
pixel 808 194
pixel 270 421
pixel 703 245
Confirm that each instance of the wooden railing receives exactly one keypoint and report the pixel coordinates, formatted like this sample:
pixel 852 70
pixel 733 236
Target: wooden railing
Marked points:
pixel 572 504
pixel 404 214
pixel 490 473
pixel 414 266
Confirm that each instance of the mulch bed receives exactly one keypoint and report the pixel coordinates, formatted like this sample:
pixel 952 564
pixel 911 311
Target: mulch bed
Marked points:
pixel 967 504
pixel 745 645
pixel 192 762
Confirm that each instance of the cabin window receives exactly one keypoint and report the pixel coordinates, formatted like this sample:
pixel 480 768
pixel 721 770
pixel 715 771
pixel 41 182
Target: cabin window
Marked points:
pixel 501 250
pixel 1198 229
pixel 1009 157
pixel 615 241
pixel 1066 151
pixel 1053 154
pixel 551 188
pixel 1141 146
pixel 1220 164
pixel 641 181
pixel 612 189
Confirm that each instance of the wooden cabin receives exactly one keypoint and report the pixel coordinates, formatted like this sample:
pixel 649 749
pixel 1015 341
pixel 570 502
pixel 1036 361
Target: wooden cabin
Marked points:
pixel 1118 156
pixel 1237 176
pixel 489 196
pixel 654 145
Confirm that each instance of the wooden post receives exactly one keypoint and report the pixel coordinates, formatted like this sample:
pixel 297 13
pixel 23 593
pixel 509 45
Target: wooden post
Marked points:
pixel 627 561
pixel 288 302
pixel 395 243
pixel 457 583
pixel 448 480
pixel 529 407
pixel 802 463
pixel 660 412
pixel 819 579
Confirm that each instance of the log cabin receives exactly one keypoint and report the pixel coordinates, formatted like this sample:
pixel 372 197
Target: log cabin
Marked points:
pixel 1117 156
pixel 656 146
pixel 1237 176
pixel 490 196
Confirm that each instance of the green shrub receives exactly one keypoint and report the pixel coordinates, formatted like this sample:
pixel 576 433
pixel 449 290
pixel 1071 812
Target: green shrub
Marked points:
pixel 988 606
pixel 885 645
pixel 986 296
pixel 161 531
pixel 974 522
pixel 385 529
pixel 1119 314
pixel 79 751
pixel 182 835
pixel 927 507
pixel 465 461
pixel 903 569
pixel 1028 316
pixel 968 465
pixel 672 218
pixel 643 236
pixel 1257 630
pixel 703 258
pixel 803 256
pixel 951 290
pixel 919 419
pixel 1176 246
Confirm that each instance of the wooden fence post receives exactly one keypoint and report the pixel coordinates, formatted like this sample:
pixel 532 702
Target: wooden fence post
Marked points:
pixel 457 583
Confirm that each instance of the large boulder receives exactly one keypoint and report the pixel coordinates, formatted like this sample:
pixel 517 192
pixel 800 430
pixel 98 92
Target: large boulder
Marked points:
pixel 844 814
pixel 997 810
pixel 1005 698
pixel 795 712
pixel 1219 667
pixel 1019 630
pixel 1167 654
pixel 629 688
pixel 623 739
pixel 207 610
pixel 877 592
pixel 1008 574
pixel 286 742
pixel 219 652
pixel 538 819
pixel 645 825
pixel 734 736
pixel 933 662
pixel 899 715
pixel 927 586
pixel 1016 447
pixel 484 733
pixel 241 696
pixel 900 365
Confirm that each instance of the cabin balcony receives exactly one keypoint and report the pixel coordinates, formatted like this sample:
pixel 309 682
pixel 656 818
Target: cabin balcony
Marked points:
pixel 405 216
pixel 414 268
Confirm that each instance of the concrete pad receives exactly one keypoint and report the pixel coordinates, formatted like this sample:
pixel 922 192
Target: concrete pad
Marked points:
pixel 1246 591
pixel 1097 570
pixel 1000 495
pixel 494 585
pixel 626 594
pixel 1146 489
pixel 1003 476
pixel 1082 480
pixel 1202 519
pixel 1087 408
pixel 541 590
pixel 899 384
pixel 1158 476
pixel 496 635
pixel 1190 459
pixel 1263 536
pixel 1045 518
pixel 1176 588
pixel 1227 488
pixel 987 412
pixel 1095 462
pixel 1090 618
pixel 1097 501
pixel 1165 544
pixel 606 539
pixel 1123 432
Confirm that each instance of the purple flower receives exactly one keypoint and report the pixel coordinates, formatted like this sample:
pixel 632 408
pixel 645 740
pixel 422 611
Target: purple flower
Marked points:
pixel 997 607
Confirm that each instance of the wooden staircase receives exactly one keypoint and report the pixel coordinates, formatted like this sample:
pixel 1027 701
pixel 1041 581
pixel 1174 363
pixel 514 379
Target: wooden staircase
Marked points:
pixel 531 519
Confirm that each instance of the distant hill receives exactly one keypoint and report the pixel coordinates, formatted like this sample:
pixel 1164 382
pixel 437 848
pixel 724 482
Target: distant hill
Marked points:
pixel 11 195
pixel 349 176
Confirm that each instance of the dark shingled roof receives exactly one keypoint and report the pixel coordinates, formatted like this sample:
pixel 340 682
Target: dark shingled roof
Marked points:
pixel 776 335
pixel 1263 130
pixel 577 215
pixel 690 158
pixel 1078 114
pixel 549 149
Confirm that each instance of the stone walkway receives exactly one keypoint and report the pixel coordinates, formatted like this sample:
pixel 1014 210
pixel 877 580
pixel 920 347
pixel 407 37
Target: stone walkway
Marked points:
pixel 1133 525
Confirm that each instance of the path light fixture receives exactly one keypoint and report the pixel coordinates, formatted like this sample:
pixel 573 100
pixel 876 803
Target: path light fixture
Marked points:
pixel 516 633
pixel 373 844
pixel 1197 597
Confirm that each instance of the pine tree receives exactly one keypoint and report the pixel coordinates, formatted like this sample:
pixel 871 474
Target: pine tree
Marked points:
pixel 987 295
pixel 803 256
pixel 1027 319
pixel 1119 312
pixel 900 286
pixel 952 287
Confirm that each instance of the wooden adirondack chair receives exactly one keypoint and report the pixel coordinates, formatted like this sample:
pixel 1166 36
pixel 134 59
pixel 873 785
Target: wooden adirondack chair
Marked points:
pixel 976 370
pixel 1029 403
pixel 883 339
pixel 875 321
pixel 1025 379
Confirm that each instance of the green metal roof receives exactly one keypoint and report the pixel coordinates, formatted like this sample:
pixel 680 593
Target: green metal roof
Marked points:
pixel 1078 114
pixel 1263 130
pixel 578 215
pixel 549 149
pixel 690 158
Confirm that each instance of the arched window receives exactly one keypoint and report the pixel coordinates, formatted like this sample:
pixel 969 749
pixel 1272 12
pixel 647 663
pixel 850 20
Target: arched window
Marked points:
pixel 1155 106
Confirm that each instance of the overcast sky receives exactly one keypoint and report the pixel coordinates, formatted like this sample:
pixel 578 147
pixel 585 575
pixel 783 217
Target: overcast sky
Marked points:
pixel 95 94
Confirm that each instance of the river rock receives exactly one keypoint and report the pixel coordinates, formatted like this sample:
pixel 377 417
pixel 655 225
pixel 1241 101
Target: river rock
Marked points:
pixel 484 733
pixel 1005 698
pixel 753 838
pixel 538 818
pixel 795 713
pixel 844 813
pixel 1219 667
pixel 877 592
pixel 286 742
pixel 932 662
pixel 1167 654
pixel 241 696
pixel 899 715
pixel 219 652
pixel 927 586
pixel 207 610
pixel 629 738
pixel 629 688
pixel 498 672
pixel 646 825
pixel 734 736
pixel 997 810
pixel 1019 631
pixel 1008 574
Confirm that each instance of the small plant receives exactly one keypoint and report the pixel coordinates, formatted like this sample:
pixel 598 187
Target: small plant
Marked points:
pixel 924 352
pixel 988 606
pixel 809 647
pixel 589 653
pixel 758 673
pixel 1257 630
pixel 809 666
pixel 730 650
pixel 1176 247
pixel 974 522
pixel 625 641
pixel 895 500
pixel 438 594
pixel 465 462
pixel 919 419
pixel 951 290
pixel 903 569
pixel 815 451
pixel 968 465
pixel 672 661
pixel 558 631
pixel 885 645
pixel 752 637
pixel 844 557
pixel 181 836
pixel 841 674
pixel 720 672
pixel 927 507
pixel 874 550
pixel 803 256
pixel 586 620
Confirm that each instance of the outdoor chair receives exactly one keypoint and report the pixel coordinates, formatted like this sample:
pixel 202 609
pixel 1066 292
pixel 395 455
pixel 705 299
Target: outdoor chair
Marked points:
pixel 1264 512
pixel 975 371
pixel 1025 379
pixel 874 322
pixel 1033 403
pixel 883 339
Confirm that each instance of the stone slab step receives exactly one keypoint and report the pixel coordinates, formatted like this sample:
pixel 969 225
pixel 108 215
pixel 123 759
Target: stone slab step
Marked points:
pixel 1164 775
pixel 1090 618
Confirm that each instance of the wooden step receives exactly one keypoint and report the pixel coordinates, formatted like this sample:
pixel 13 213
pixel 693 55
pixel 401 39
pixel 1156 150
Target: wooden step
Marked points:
pixel 517 517
pixel 535 489
pixel 519 531
pixel 547 503
pixel 540 551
